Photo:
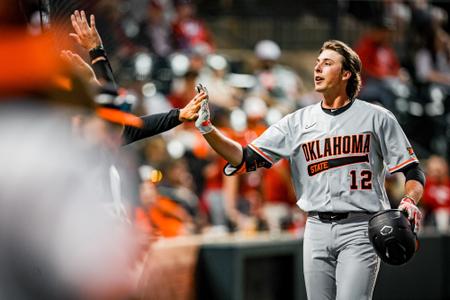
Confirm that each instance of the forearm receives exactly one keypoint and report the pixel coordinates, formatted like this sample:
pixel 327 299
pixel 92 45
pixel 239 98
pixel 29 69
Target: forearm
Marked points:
pixel 225 147
pixel 153 125
pixel 101 65
pixel 414 190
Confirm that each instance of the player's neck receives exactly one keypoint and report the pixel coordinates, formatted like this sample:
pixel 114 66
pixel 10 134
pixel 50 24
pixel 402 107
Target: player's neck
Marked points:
pixel 334 102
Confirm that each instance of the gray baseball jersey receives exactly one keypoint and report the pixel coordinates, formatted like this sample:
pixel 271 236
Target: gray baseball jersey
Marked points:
pixel 338 162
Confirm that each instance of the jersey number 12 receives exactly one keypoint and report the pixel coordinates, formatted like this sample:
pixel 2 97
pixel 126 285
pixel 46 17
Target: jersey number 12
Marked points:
pixel 364 182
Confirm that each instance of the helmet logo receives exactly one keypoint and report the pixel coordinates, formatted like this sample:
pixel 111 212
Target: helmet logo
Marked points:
pixel 386 230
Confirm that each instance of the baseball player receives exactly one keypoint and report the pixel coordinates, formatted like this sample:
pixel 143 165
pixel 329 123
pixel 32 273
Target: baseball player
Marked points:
pixel 339 152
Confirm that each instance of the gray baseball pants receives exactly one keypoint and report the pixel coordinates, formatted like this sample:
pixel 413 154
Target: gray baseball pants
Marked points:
pixel 338 260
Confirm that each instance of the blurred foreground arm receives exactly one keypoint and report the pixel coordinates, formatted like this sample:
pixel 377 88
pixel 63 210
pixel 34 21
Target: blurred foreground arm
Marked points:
pixel 79 65
pixel 87 36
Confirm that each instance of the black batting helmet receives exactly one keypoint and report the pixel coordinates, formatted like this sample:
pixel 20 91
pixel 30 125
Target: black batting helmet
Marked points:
pixel 392 237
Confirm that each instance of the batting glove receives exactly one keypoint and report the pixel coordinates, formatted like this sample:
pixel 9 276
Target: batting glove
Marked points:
pixel 408 205
pixel 203 123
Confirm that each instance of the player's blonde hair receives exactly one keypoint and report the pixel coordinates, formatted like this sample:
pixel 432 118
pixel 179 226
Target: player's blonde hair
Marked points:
pixel 351 63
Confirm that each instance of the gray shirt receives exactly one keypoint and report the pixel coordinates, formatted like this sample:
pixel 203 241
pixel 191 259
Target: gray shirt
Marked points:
pixel 338 161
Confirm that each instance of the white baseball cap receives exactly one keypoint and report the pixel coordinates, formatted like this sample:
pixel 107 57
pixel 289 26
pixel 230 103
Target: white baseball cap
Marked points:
pixel 267 50
pixel 255 107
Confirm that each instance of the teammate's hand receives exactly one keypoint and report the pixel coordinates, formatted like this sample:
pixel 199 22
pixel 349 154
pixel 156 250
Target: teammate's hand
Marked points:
pixel 86 36
pixel 190 111
pixel 203 122
pixel 414 215
pixel 79 65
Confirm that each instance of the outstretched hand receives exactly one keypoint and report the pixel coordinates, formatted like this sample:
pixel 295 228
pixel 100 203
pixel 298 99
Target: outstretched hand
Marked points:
pixel 83 68
pixel 203 122
pixel 190 111
pixel 86 35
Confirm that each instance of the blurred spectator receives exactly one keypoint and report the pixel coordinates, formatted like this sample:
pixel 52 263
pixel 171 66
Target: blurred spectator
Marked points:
pixel 188 30
pixel 159 215
pixel 183 89
pixel 197 59
pixel 177 187
pixel 371 12
pixel 426 17
pixel 436 198
pixel 155 31
pixel 147 197
pixel 400 13
pixel 279 196
pixel 382 71
pixel 244 198
pixel 155 35
pixel 115 38
pixel 425 20
pixel 432 76
pixel 153 101
pixel 274 188
pixel 214 193
pixel 432 60
pixel 277 85
pixel 155 152
pixel 220 92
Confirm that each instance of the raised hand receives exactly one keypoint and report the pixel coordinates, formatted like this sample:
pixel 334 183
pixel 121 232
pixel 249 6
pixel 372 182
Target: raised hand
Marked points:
pixel 190 111
pixel 86 35
pixel 203 122
pixel 83 68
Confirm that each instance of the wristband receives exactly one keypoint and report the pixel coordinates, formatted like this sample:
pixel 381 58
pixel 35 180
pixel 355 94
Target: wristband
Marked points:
pixel 96 53
pixel 410 198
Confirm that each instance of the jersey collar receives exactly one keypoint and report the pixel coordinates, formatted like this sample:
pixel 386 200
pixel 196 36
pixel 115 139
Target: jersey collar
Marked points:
pixel 337 111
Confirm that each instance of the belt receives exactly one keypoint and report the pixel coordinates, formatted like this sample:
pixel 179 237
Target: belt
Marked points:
pixel 331 216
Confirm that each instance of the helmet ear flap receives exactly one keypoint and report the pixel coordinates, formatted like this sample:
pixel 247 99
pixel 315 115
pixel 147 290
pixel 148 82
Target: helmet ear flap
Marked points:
pixel 392 237
pixel 395 250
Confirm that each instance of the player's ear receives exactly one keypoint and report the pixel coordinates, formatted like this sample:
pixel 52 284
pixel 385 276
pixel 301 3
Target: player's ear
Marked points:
pixel 346 75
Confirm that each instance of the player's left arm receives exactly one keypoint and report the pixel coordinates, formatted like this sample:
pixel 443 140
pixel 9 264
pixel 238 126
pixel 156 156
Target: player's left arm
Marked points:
pixel 414 186
pixel 399 156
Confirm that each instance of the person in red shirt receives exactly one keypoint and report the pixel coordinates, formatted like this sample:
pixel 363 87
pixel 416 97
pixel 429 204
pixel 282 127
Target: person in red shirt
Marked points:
pixel 189 31
pixel 377 55
pixel 436 197
pixel 382 68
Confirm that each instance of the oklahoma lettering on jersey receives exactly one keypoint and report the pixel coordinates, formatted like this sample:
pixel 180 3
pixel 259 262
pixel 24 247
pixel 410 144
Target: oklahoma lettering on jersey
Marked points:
pixel 348 146
pixel 338 161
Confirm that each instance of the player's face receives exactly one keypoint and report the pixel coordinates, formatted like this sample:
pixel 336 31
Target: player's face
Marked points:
pixel 328 71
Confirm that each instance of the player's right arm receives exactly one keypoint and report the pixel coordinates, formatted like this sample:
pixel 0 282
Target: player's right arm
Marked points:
pixel 229 149
pixel 262 152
